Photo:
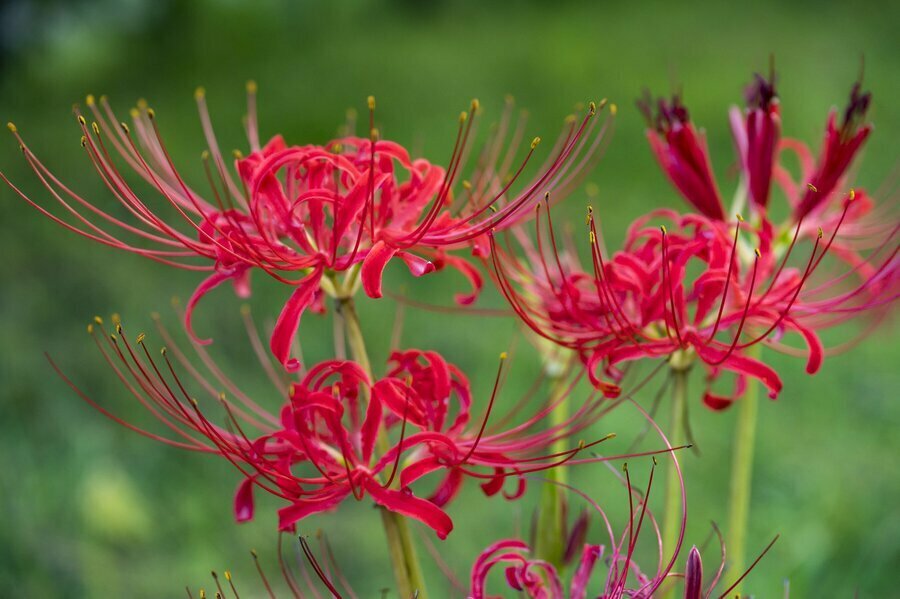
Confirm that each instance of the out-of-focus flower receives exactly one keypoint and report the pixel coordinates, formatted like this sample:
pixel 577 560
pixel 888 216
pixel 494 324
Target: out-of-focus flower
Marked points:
pixel 538 579
pixel 705 287
pixel 298 581
pixel 303 214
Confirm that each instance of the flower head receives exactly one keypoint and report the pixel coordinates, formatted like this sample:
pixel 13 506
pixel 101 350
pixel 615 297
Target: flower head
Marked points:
pixel 703 288
pixel 304 214
pixel 340 434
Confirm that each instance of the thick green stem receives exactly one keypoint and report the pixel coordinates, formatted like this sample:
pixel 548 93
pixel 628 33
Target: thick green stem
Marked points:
pixel 405 560
pixel 672 508
pixel 550 544
pixel 742 477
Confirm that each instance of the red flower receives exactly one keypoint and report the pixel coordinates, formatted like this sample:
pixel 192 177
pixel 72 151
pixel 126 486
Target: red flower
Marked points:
pixel 688 290
pixel 706 288
pixel 682 153
pixel 304 213
pixel 337 434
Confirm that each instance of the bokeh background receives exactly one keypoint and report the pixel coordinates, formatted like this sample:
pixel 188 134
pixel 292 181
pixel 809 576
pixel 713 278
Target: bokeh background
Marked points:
pixel 89 509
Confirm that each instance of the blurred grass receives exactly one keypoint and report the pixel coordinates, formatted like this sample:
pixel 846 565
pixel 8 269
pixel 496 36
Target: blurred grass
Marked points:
pixel 92 510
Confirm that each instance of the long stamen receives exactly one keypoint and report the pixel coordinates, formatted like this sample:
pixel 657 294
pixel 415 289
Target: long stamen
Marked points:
pixel 667 282
pixel 743 320
pixel 747 571
pixel 487 412
pixel 311 558
pixel 402 434
pixel 262 574
pixel 731 260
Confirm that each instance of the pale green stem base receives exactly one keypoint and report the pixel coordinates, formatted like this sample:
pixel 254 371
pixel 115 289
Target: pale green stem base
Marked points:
pixel 405 560
pixel 672 508
pixel 550 541
pixel 741 480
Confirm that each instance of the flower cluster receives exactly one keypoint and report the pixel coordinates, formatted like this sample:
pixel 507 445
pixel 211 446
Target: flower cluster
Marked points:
pixel 703 288
pixel 707 287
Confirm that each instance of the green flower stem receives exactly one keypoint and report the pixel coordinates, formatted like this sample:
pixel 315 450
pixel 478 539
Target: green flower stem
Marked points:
pixel 405 560
pixel 550 542
pixel 672 508
pixel 742 476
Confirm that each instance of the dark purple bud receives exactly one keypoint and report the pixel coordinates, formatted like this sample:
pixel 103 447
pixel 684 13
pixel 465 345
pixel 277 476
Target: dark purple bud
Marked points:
pixel 693 575
pixel 576 538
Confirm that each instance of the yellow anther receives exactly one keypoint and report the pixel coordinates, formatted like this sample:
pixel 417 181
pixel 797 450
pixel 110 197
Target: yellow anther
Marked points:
pixel 757 252
pixel 467 184
pixel 371 102
pixel 98 320
pixel 81 120
pixel 245 309
pixel 337 148
pixel 625 467
pixel 140 339
pixel 135 113
pixel 96 128
pixel 812 188
pixel 492 208
pixel 115 318
pixel 151 114
pixel 592 108
pixel 535 142
pixel 227 573
pixel 852 195
pixel 475 105
pixel 580 444
pixel 593 237
pixel 613 109
pixel 221 396
pixel 202 594
pixel 373 134
pixel 820 233
pixel 83 141
pixel 739 217
pixel 194 402
pixel 602 104
pixel 142 103
pixel 154 315
pixel 251 87
pixel 663 229
pixel 89 100
pixel 103 98
pixel 237 154
pixel 463 116
pixel 503 355
pixel 571 118
pixel 204 155
pixel 119 328
pixel 90 328
pixel 125 128
pixel 162 351
pixel 199 93
pixel 12 127
pixel 112 337
pixel 254 554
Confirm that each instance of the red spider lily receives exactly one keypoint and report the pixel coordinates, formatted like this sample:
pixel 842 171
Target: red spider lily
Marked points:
pixel 538 579
pixel 304 213
pixel 335 437
pixel 684 156
pixel 705 287
pixel 685 291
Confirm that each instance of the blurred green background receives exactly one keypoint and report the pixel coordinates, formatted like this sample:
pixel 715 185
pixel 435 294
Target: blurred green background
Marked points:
pixel 89 509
